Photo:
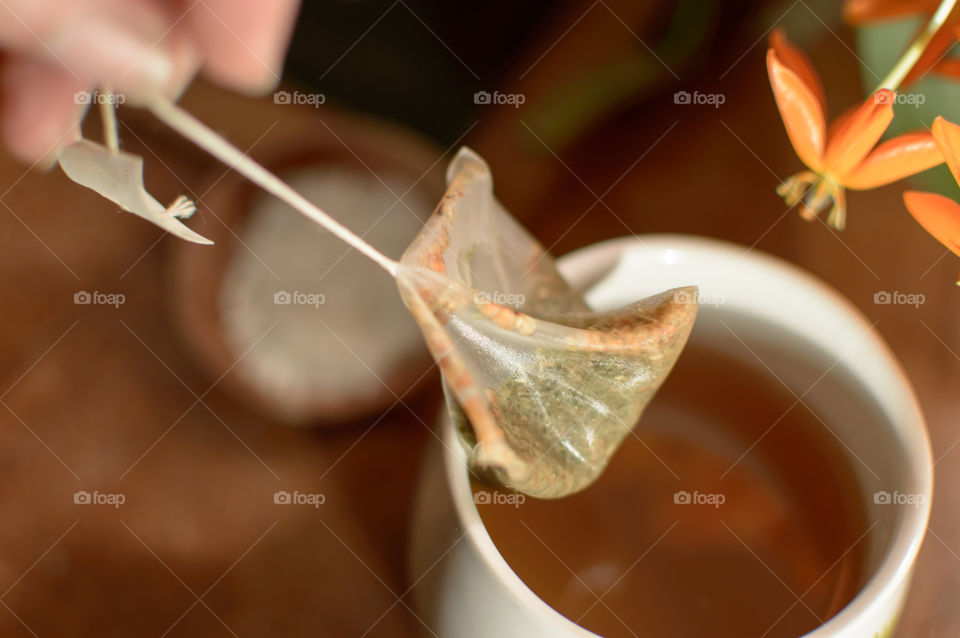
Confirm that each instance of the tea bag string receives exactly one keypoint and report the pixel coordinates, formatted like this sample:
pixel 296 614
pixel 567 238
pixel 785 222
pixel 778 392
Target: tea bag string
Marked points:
pixel 108 116
pixel 206 138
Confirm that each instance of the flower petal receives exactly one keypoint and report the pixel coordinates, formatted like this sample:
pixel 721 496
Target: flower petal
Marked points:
pixel 947 135
pixel 858 134
pixel 935 51
pixel 840 122
pixel 949 67
pixel 798 62
pixel 800 110
pixel 939 216
pixel 857 12
pixel 895 159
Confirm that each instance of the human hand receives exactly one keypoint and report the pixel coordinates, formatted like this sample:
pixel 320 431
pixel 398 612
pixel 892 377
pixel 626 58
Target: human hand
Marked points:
pixel 53 49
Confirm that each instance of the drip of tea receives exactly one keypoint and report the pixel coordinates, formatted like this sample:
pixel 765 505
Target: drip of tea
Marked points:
pixel 733 511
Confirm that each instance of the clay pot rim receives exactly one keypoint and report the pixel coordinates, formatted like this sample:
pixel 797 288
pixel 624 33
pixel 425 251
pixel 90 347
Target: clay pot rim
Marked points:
pixel 195 273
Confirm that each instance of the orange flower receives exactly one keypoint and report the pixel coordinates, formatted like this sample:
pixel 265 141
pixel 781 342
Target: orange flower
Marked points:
pixel 940 215
pixel 844 156
pixel 860 12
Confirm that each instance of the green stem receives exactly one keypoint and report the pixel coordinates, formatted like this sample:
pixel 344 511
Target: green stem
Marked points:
pixel 911 55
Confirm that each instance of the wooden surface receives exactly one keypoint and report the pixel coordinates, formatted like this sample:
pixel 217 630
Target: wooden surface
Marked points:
pixel 109 399
pixel 98 398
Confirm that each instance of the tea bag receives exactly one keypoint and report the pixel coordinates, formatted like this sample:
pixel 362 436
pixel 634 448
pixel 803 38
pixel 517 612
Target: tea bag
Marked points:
pixel 543 388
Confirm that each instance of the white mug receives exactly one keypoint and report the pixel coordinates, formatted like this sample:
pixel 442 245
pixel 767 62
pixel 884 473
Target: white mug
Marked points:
pixel 463 587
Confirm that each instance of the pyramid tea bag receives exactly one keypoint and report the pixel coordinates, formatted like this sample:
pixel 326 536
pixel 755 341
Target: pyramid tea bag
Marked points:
pixel 543 388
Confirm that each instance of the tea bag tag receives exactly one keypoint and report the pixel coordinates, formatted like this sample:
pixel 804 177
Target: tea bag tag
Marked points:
pixel 118 176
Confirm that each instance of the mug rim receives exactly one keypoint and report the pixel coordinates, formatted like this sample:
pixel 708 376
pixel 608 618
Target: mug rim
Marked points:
pixel 896 563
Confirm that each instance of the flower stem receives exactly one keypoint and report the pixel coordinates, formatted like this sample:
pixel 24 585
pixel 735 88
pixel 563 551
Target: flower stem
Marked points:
pixel 912 54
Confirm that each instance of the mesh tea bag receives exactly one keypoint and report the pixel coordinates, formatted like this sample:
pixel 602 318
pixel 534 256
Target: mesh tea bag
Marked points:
pixel 544 389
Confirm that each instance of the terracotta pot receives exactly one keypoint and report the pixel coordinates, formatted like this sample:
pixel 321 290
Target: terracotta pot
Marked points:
pixel 320 147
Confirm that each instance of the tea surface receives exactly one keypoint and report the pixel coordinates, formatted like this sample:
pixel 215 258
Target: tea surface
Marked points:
pixel 702 525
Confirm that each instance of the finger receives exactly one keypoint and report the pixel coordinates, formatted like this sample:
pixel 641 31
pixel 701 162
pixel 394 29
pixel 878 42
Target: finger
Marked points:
pixel 39 113
pixel 185 58
pixel 94 41
pixel 243 42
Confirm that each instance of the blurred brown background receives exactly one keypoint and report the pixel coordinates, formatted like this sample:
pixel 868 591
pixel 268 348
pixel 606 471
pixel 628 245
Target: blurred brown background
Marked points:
pixel 111 399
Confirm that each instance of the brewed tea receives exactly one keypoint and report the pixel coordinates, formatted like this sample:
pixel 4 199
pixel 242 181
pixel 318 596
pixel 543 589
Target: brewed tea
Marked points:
pixel 679 537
